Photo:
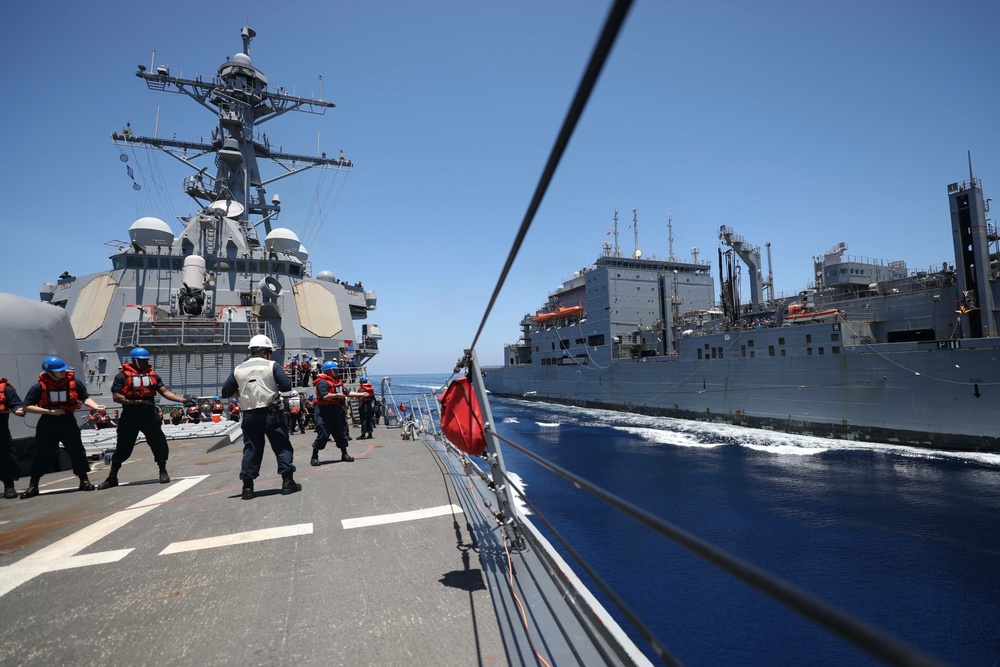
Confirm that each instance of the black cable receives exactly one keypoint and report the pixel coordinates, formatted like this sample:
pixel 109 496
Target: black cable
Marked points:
pixel 612 26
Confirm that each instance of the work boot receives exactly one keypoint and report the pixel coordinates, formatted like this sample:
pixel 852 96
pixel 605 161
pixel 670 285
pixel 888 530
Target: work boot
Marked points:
pixel 109 483
pixel 248 489
pixel 30 492
pixel 85 484
pixel 344 456
pixel 289 485
pixel 164 477
pixel 8 490
pixel 314 461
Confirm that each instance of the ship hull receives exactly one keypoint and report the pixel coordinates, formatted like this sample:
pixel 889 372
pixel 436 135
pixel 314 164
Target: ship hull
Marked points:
pixel 936 394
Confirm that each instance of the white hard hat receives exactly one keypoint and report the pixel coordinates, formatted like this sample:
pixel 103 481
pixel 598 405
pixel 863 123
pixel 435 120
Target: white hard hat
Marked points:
pixel 261 341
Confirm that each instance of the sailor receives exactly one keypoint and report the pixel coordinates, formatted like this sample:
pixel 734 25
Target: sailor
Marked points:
pixel 177 417
pixel 134 387
pixel 366 405
pixel 56 396
pixel 331 397
pixel 217 407
pixel 294 403
pixel 258 382
pixel 234 409
pixel 304 367
pixel 102 419
pixel 310 412
pixel 9 469
pixel 193 411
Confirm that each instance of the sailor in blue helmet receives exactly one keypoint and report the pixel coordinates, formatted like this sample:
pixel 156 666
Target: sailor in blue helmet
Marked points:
pixel 56 396
pixel 331 397
pixel 258 382
pixel 135 386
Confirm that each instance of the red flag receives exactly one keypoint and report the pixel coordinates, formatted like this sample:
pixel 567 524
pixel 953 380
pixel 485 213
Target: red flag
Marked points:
pixel 461 420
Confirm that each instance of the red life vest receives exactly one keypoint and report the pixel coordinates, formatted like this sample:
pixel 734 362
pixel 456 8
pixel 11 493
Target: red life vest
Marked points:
pixel 139 384
pixel 3 396
pixel 335 386
pixel 217 408
pixel 58 394
pixel 368 389
pixel 194 411
pixel 234 408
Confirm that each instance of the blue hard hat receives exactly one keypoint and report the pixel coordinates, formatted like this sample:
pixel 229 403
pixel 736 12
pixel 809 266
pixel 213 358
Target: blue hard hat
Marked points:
pixel 217 397
pixel 233 400
pixel 330 366
pixel 139 353
pixel 54 365
pixel 364 378
pixel 312 395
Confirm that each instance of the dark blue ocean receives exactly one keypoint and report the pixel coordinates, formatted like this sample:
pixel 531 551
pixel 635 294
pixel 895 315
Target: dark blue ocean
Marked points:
pixel 905 539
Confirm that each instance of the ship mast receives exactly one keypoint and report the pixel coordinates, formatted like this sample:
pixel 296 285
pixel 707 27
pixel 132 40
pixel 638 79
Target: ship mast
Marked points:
pixel 240 96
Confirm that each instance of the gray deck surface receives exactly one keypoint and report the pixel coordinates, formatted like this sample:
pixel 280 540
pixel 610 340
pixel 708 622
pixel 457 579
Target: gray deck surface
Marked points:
pixel 403 593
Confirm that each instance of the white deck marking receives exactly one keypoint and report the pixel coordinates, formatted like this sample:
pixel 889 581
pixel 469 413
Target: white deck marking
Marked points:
pixel 61 555
pixel 365 521
pixel 239 538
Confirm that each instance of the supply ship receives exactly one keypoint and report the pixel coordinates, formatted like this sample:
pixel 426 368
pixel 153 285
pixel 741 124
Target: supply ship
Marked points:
pixel 871 351
pixel 195 298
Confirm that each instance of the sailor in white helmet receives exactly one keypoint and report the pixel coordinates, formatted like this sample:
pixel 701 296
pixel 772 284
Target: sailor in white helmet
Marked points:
pixel 258 382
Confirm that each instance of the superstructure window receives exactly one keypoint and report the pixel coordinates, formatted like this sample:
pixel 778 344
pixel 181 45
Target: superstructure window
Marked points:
pixel 596 340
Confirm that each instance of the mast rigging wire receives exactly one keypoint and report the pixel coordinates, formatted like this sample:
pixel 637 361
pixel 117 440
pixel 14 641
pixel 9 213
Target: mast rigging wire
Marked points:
pixel 612 26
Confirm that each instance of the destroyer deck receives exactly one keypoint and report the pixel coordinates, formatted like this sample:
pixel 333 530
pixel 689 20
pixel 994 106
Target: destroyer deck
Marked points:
pixel 84 580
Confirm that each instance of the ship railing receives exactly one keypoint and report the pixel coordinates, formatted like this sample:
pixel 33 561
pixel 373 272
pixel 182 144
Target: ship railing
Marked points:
pixel 513 525
pixel 190 334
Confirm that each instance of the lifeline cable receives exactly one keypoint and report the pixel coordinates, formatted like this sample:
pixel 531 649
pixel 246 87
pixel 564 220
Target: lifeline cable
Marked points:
pixel 612 26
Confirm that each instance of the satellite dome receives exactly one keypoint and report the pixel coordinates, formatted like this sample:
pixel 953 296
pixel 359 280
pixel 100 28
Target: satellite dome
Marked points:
pixel 150 231
pixel 281 240
pixel 326 276
pixel 242 59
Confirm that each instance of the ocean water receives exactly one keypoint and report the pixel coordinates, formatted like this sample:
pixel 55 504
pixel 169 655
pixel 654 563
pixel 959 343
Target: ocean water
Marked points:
pixel 903 538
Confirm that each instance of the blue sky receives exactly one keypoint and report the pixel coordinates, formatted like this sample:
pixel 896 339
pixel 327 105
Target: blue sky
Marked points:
pixel 801 124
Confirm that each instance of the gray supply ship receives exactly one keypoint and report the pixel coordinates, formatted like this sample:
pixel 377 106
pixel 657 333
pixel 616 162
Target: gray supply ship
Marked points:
pixel 872 351
pixel 195 299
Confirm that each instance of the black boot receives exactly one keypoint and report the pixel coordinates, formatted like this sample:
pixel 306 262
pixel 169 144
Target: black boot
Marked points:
pixel 314 461
pixel 248 489
pixel 8 489
pixel 344 456
pixel 112 480
pixel 289 485
pixel 164 477
pixel 85 484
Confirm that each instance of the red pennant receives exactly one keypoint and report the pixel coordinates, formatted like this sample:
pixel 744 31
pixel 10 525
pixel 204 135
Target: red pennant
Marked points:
pixel 461 420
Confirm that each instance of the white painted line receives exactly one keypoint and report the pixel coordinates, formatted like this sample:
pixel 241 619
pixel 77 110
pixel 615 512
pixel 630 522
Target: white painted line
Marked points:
pixel 365 521
pixel 61 555
pixel 239 538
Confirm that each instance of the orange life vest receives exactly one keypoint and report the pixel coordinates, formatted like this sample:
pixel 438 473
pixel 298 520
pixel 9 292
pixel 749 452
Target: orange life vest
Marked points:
pixel 217 408
pixel 102 418
pixel 58 394
pixel 368 389
pixel 335 386
pixel 139 384
pixel 3 396
pixel 194 411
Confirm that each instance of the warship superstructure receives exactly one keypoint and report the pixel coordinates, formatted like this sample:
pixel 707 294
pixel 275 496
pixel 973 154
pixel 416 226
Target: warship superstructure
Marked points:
pixel 870 351
pixel 194 299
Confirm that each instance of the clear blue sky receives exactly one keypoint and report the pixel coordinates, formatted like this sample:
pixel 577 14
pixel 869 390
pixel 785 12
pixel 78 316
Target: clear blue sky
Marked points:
pixel 802 124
